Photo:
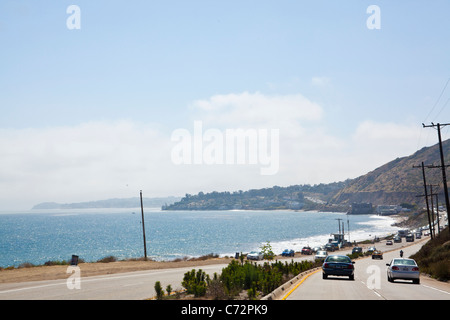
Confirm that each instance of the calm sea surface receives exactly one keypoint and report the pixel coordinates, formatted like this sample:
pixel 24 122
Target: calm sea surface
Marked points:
pixel 40 236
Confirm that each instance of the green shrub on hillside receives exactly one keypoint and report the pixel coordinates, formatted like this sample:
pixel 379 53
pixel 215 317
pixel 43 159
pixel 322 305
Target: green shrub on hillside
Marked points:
pixel 433 258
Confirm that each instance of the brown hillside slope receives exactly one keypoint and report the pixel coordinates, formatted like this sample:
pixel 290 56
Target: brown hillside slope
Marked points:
pixel 397 181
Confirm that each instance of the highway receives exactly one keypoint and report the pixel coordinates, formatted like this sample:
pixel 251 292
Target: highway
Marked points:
pixel 124 286
pixel 370 283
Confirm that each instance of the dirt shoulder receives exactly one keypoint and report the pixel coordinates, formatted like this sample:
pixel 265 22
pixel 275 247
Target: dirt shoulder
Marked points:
pixel 97 268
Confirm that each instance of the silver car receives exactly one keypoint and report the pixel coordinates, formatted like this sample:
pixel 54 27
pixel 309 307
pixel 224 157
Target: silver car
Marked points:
pixel 321 255
pixel 401 268
pixel 255 255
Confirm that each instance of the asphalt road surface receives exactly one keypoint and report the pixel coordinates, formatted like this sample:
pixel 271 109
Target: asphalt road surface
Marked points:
pixel 370 283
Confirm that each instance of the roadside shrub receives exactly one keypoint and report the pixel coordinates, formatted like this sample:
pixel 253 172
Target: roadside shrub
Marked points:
pixel 441 270
pixel 159 290
pixel 25 265
pixel 108 259
pixel 266 249
pixel 195 282
pixel 56 263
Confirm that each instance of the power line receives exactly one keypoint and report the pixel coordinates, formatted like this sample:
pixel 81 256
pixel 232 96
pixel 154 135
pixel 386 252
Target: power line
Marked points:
pixel 444 177
pixel 438 99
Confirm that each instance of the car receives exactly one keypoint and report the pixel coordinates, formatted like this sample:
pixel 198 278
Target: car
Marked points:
pixel 329 247
pixel 338 265
pixel 288 253
pixel 389 243
pixel 318 248
pixel 402 268
pixel 418 235
pixel 397 239
pixel 321 255
pixel 357 250
pixel 409 237
pixel 377 254
pixel 371 249
pixel 306 250
pixel 255 255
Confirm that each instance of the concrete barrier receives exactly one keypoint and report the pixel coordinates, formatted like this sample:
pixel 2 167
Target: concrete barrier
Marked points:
pixel 282 290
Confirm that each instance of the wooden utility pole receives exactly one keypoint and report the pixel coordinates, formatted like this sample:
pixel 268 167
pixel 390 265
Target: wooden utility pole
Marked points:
pixel 426 196
pixel 143 229
pixel 444 178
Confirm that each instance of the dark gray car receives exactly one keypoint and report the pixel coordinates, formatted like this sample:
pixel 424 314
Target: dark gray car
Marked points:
pixel 338 265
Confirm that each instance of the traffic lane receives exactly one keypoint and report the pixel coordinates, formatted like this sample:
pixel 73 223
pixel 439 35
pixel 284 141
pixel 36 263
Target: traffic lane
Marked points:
pixel 332 288
pixel 374 274
pixel 371 283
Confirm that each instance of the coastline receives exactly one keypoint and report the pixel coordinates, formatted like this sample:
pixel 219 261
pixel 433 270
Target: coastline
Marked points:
pixel 39 273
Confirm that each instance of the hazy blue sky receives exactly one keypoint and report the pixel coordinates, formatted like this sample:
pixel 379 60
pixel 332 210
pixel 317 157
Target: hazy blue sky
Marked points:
pixel 88 113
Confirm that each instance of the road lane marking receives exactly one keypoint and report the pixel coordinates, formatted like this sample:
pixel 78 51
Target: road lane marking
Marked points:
pixel 296 286
pixel 436 289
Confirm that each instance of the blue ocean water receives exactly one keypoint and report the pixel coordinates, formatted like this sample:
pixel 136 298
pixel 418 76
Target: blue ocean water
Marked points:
pixel 40 236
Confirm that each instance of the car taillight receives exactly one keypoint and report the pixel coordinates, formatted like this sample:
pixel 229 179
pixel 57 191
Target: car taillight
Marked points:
pixel 350 266
pixel 415 269
pixel 326 265
pixel 394 268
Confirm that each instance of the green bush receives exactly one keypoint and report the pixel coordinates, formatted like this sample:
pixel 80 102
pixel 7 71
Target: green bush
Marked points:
pixel 159 290
pixel 195 282
pixel 108 259
pixel 433 257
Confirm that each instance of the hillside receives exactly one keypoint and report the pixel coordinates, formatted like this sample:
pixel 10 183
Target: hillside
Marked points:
pixel 397 181
pixel 276 198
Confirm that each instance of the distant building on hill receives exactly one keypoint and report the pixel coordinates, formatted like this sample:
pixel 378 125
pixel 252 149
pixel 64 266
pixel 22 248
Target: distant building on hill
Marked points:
pixel 361 208
pixel 386 210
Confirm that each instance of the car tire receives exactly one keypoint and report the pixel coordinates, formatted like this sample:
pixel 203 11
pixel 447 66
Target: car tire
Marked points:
pixel 416 281
pixel 352 277
pixel 324 276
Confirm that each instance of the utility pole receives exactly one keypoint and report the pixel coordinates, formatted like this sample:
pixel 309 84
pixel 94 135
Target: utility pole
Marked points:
pixel 437 213
pixel 348 229
pixel 339 224
pixel 426 196
pixel 432 209
pixel 143 229
pixel 444 178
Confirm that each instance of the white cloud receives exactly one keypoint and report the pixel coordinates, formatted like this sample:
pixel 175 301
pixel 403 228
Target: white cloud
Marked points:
pixel 379 142
pixel 257 110
pixel 99 160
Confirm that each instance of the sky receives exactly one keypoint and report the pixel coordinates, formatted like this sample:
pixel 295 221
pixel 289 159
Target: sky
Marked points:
pixel 108 98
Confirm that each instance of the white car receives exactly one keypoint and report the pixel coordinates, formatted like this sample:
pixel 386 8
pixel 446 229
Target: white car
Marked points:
pixel 321 255
pixel 255 255
pixel 401 268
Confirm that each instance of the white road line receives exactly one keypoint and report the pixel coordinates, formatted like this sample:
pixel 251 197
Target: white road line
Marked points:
pixel 436 289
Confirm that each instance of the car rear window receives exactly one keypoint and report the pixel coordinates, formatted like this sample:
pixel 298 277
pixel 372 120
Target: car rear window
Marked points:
pixel 338 259
pixel 404 262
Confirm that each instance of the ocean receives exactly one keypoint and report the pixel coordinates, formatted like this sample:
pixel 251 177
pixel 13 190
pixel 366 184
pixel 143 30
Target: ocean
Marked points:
pixel 38 236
